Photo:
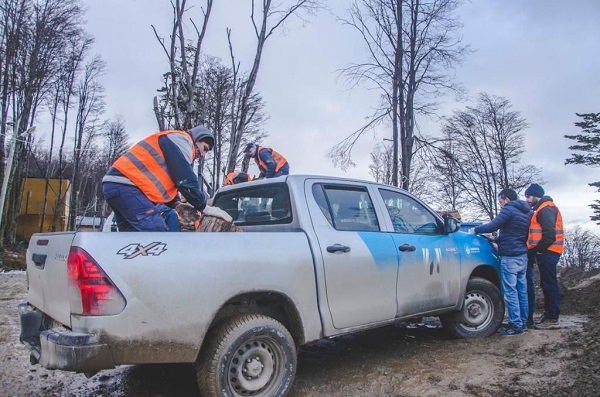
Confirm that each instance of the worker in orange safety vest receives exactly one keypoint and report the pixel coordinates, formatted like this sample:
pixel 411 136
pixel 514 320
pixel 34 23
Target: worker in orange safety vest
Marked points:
pixel 270 163
pixel 236 177
pixel 145 182
pixel 545 244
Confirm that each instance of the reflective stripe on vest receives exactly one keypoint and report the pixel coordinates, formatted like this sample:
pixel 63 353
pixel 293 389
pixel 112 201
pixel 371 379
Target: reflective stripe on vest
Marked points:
pixel 535 230
pixel 278 158
pixel 144 164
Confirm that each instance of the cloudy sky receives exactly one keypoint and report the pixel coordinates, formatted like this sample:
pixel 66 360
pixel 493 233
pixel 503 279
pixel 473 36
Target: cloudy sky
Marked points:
pixel 542 55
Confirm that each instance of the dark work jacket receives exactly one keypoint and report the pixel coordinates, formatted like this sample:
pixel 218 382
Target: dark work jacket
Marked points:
pixel 513 223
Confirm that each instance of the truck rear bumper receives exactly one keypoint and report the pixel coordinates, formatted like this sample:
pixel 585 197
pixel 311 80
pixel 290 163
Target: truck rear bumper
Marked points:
pixel 60 348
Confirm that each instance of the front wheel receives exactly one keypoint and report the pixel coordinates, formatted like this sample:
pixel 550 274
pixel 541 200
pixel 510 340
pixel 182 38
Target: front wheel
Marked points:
pixel 247 355
pixel 482 312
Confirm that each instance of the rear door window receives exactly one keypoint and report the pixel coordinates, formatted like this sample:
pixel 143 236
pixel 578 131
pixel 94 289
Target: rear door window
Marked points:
pixel 347 208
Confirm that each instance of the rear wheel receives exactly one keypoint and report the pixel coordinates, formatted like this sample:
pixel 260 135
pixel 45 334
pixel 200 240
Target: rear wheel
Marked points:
pixel 247 355
pixel 482 312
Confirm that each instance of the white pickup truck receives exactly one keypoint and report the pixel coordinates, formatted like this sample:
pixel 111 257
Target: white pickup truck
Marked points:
pixel 319 257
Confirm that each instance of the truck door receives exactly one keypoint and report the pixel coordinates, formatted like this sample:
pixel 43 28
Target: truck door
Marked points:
pixel 429 260
pixel 360 262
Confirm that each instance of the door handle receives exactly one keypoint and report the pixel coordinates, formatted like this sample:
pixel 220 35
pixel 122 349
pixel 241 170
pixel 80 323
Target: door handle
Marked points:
pixel 39 260
pixel 407 248
pixel 337 248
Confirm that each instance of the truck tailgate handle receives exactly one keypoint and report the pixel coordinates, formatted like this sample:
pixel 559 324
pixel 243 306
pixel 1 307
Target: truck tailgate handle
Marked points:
pixel 39 260
pixel 337 248
pixel 407 247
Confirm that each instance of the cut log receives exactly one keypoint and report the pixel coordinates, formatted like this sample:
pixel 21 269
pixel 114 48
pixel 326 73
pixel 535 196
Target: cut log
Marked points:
pixel 188 217
pixel 214 224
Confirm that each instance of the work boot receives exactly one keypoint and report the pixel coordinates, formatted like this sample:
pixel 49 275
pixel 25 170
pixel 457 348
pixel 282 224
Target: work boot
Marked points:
pixel 511 330
pixel 540 320
pixel 548 323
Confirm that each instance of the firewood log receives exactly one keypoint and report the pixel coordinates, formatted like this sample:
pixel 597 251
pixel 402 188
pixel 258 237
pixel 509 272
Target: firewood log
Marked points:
pixel 214 224
pixel 188 217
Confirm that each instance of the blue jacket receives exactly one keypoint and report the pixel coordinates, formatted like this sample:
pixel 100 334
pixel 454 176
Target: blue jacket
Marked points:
pixel 513 222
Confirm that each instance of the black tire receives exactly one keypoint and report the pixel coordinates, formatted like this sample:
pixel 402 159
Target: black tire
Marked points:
pixel 251 344
pixel 482 312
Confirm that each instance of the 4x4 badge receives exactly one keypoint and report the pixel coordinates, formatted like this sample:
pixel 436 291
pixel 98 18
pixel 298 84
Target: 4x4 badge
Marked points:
pixel 135 249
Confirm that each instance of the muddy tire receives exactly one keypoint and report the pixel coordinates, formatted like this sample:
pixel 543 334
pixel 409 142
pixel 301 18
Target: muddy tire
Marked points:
pixel 482 313
pixel 247 355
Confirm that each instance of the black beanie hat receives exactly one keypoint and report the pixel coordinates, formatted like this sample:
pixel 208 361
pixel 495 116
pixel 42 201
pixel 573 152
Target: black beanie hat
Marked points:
pixel 248 147
pixel 534 190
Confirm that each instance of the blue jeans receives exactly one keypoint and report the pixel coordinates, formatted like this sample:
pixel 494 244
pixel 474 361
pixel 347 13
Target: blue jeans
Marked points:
pixel 170 217
pixel 285 170
pixel 514 286
pixel 531 301
pixel 547 263
pixel 134 212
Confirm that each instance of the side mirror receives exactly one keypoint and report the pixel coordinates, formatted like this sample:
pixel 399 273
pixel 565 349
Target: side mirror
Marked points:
pixel 452 224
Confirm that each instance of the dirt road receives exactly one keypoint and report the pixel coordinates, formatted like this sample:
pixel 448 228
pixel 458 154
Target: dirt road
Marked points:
pixel 402 360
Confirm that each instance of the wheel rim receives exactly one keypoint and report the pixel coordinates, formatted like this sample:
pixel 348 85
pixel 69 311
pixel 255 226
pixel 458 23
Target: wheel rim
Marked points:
pixel 478 310
pixel 255 367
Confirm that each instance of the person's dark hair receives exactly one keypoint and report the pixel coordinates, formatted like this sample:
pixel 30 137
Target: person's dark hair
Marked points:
pixel 509 194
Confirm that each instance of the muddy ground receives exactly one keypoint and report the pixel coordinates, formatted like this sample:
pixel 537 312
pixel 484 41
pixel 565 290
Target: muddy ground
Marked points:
pixel 400 360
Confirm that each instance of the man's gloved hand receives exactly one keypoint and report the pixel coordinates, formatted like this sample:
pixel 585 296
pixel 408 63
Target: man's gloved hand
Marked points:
pixel 216 211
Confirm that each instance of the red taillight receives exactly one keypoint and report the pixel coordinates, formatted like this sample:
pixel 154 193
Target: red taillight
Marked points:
pixel 91 293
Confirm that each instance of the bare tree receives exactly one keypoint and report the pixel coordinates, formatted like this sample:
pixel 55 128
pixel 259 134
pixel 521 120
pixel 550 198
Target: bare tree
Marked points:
pixel 90 107
pixel 217 93
pixel 444 185
pixel 487 144
pixel 381 163
pixel 13 29
pixel 34 36
pixel 184 71
pixel 245 106
pixel 412 48
pixel 78 47
pixel 266 19
pixel 117 141
pixel 218 88
pixel 582 249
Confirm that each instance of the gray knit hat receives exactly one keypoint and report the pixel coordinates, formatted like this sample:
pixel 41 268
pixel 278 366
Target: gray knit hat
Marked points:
pixel 201 133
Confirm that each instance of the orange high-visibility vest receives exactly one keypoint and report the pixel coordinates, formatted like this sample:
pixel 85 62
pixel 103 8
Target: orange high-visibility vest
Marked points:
pixel 535 230
pixel 144 165
pixel 230 178
pixel 279 159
